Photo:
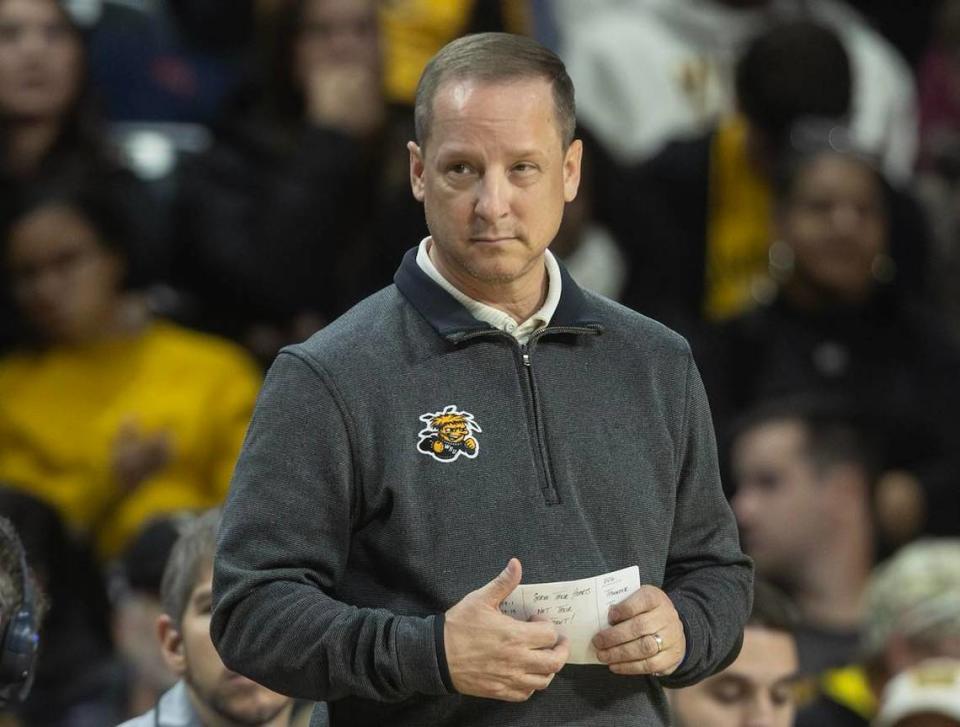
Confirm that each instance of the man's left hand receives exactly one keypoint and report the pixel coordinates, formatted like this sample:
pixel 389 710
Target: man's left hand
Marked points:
pixel 646 636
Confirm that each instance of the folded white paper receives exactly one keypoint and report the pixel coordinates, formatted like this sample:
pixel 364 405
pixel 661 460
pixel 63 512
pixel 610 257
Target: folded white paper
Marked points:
pixel 578 608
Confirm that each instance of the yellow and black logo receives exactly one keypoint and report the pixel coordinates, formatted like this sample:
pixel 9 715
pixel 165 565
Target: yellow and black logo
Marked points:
pixel 449 434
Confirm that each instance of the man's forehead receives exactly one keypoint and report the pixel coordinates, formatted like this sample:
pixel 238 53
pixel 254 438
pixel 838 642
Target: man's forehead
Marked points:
pixel 518 112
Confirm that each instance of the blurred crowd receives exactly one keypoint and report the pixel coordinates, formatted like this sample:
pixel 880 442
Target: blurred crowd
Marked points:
pixel 186 186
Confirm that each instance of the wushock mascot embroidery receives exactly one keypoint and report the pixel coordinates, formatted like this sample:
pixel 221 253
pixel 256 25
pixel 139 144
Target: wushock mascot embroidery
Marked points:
pixel 449 434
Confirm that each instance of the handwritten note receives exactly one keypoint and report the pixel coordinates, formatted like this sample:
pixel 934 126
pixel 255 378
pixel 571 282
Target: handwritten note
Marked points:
pixel 578 608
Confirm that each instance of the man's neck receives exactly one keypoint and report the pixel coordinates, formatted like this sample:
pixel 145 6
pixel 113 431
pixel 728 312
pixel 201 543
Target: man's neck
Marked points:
pixel 830 588
pixel 28 141
pixel 519 298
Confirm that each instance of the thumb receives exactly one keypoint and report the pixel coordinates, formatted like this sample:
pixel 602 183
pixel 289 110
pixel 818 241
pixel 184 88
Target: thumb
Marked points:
pixel 503 585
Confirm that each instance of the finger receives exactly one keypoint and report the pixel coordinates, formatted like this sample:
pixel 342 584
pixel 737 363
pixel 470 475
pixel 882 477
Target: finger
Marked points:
pixel 643 600
pixel 538 635
pixel 662 664
pixel 632 629
pixel 503 585
pixel 546 661
pixel 640 649
pixel 536 682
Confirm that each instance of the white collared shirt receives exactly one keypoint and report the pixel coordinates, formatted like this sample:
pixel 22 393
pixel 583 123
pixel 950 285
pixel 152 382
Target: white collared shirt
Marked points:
pixel 488 314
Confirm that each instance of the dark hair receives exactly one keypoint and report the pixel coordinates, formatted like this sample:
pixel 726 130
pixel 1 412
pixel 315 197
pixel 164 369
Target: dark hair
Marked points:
pixel 833 431
pixel 793 70
pixel 97 202
pixel 811 138
pixel 190 556
pixel 492 57
pixel 772 609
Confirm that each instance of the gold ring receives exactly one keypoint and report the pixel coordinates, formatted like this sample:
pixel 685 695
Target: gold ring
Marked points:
pixel 656 637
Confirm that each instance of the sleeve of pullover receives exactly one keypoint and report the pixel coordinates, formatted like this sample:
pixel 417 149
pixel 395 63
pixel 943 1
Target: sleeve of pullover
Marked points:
pixel 283 546
pixel 708 577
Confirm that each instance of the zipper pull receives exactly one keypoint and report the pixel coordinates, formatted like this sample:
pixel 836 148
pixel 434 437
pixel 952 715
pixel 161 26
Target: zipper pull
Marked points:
pixel 526 359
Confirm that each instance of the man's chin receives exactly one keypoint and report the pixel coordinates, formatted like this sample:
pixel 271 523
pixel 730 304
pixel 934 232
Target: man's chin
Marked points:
pixel 245 702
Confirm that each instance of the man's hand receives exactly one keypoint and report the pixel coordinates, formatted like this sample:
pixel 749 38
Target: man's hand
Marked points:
pixel 631 645
pixel 138 455
pixel 492 655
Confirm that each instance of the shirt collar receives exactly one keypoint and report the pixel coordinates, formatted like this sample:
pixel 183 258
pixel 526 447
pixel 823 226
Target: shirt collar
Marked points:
pixel 450 318
pixel 487 313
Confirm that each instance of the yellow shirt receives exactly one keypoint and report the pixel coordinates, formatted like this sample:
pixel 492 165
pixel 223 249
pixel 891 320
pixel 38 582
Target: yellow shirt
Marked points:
pixel 61 410
pixel 739 226
pixel 414 30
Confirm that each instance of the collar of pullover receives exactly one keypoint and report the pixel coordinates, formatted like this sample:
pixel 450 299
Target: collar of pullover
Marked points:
pixel 454 322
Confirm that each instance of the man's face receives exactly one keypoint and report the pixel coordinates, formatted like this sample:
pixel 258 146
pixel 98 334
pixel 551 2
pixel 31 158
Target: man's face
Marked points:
pixel 220 696
pixel 754 691
pixel 778 500
pixel 493 177
pixel 40 59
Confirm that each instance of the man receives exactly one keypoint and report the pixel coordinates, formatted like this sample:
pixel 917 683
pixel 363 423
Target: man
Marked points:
pixel 803 479
pixel 208 694
pixel 351 562
pixel 757 689
pixel 912 610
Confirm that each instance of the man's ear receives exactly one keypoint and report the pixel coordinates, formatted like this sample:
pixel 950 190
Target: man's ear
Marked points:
pixel 572 161
pixel 416 170
pixel 171 645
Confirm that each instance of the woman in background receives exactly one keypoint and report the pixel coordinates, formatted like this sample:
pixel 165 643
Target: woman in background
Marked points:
pixel 110 415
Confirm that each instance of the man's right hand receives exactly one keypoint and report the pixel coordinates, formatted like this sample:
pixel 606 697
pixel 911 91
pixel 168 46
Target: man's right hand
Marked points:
pixel 492 655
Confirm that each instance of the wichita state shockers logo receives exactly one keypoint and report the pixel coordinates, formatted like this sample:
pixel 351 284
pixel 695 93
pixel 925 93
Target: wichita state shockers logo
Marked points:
pixel 448 434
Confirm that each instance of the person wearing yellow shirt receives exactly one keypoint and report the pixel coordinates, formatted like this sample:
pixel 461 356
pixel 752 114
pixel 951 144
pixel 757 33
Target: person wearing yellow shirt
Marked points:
pixel 112 416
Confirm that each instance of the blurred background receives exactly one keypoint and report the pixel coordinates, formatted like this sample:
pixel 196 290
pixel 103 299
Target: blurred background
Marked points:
pixel 188 185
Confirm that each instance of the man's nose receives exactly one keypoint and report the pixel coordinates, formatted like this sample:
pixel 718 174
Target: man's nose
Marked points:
pixel 761 712
pixel 493 197
pixel 743 504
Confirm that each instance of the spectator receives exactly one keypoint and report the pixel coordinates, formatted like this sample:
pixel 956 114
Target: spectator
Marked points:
pixel 112 417
pixel 135 589
pixel 804 476
pixel 208 694
pixel 837 327
pixel 300 207
pixel 803 479
pixel 49 132
pixel 76 676
pixel 687 50
pixel 757 689
pixel 926 695
pixel 700 225
pixel 912 610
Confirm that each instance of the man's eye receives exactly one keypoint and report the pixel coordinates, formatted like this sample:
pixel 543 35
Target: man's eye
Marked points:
pixel 460 169
pixel 524 167
pixel 728 692
pixel 782 695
